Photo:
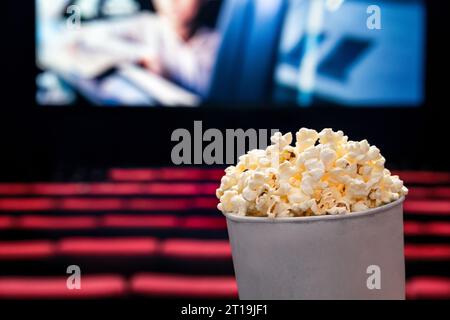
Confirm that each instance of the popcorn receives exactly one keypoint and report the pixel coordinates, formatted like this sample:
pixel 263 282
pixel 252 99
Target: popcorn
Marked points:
pixel 328 156
pixel 328 136
pixel 324 174
pixel 306 138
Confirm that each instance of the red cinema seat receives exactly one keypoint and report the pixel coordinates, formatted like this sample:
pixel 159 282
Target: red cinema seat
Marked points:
pixel 433 229
pixel 92 287
pixel 159 204
pixel 427 207
pixel 206 203
pixel 34 222
pixel 181 189
pixel 166 174
pixel 427 252
pixel 125 247
pixel 23 250
pixel 428 287
pixel 423 177
pixel 6 222
pixel 196 249
pixel 139 221
pixel 429 193
pixel 27 204
pixel 86 204
pixel 204 223
pixel 184 286
pixel 103 189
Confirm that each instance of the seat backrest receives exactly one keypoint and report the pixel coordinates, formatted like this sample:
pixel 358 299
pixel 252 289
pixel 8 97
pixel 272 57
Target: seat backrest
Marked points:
pixel 250 31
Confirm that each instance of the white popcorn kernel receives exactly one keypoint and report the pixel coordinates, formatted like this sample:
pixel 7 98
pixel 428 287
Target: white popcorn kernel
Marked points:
pixel 296 196
pixel 264 162
pixel 397 184
pixel 261 202
pixel 286 171
pixel 364 146
pixel 308 154
pixel 379 163
pixel 307 185
pixel 281 140
pixel 359 206
pixel 375 193
pixel 284 189
pixel 249 194
pixel 343 163
pixel 404 191
pixel 239 205
pixel 306 138
pixel 256 180
pixel 358 189
pixel 230 170
pixel 373 153
pixel 316 174
pixel 328 156
pixel 227 182
pixel 281 209
pixel 225 200
pixel 345 204
pixel 394 196
pixel 357 150
pixel 308 205
pixel 328 136
pixel 337 210
pixel 313 164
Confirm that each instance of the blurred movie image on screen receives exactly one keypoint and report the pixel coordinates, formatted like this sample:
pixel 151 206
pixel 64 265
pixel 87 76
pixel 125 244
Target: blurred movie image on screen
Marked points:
pixel 230 53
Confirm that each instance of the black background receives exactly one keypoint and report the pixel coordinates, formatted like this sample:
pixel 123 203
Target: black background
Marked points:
pixel 170 309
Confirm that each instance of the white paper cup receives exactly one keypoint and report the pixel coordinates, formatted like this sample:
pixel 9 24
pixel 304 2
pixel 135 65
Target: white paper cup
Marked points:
pixel 320 257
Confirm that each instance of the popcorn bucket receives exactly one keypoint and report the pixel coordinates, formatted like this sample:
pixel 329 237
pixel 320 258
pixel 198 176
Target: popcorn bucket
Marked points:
pixel 353 256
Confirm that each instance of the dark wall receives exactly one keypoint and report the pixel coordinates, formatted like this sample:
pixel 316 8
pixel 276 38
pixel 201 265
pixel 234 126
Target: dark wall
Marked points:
pixel 40 143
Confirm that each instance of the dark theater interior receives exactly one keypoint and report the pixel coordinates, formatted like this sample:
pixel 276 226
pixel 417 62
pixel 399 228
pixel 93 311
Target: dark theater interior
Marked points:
pixel 94 89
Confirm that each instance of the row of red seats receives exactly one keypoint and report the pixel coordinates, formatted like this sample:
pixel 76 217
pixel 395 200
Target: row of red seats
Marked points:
pixel 119 246
pixel 123 221
pixel 192 174
pixel 411 206
pixel 181 248
pixel 107 204
pixel 110 286
pixel 101 189
pixel 161 285
pixel 166 174
pixel 155 189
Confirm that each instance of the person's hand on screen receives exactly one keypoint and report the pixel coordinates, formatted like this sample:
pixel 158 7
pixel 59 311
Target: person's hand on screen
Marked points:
pixel 154 65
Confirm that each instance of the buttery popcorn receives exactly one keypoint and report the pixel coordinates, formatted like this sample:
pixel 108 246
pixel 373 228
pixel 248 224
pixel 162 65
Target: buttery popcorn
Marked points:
pixel 324 174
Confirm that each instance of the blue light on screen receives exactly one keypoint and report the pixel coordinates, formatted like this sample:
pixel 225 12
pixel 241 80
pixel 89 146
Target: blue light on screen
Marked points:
pixel 356 65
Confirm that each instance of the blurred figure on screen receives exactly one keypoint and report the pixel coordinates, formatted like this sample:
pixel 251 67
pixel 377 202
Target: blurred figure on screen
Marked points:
pixel 185 50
